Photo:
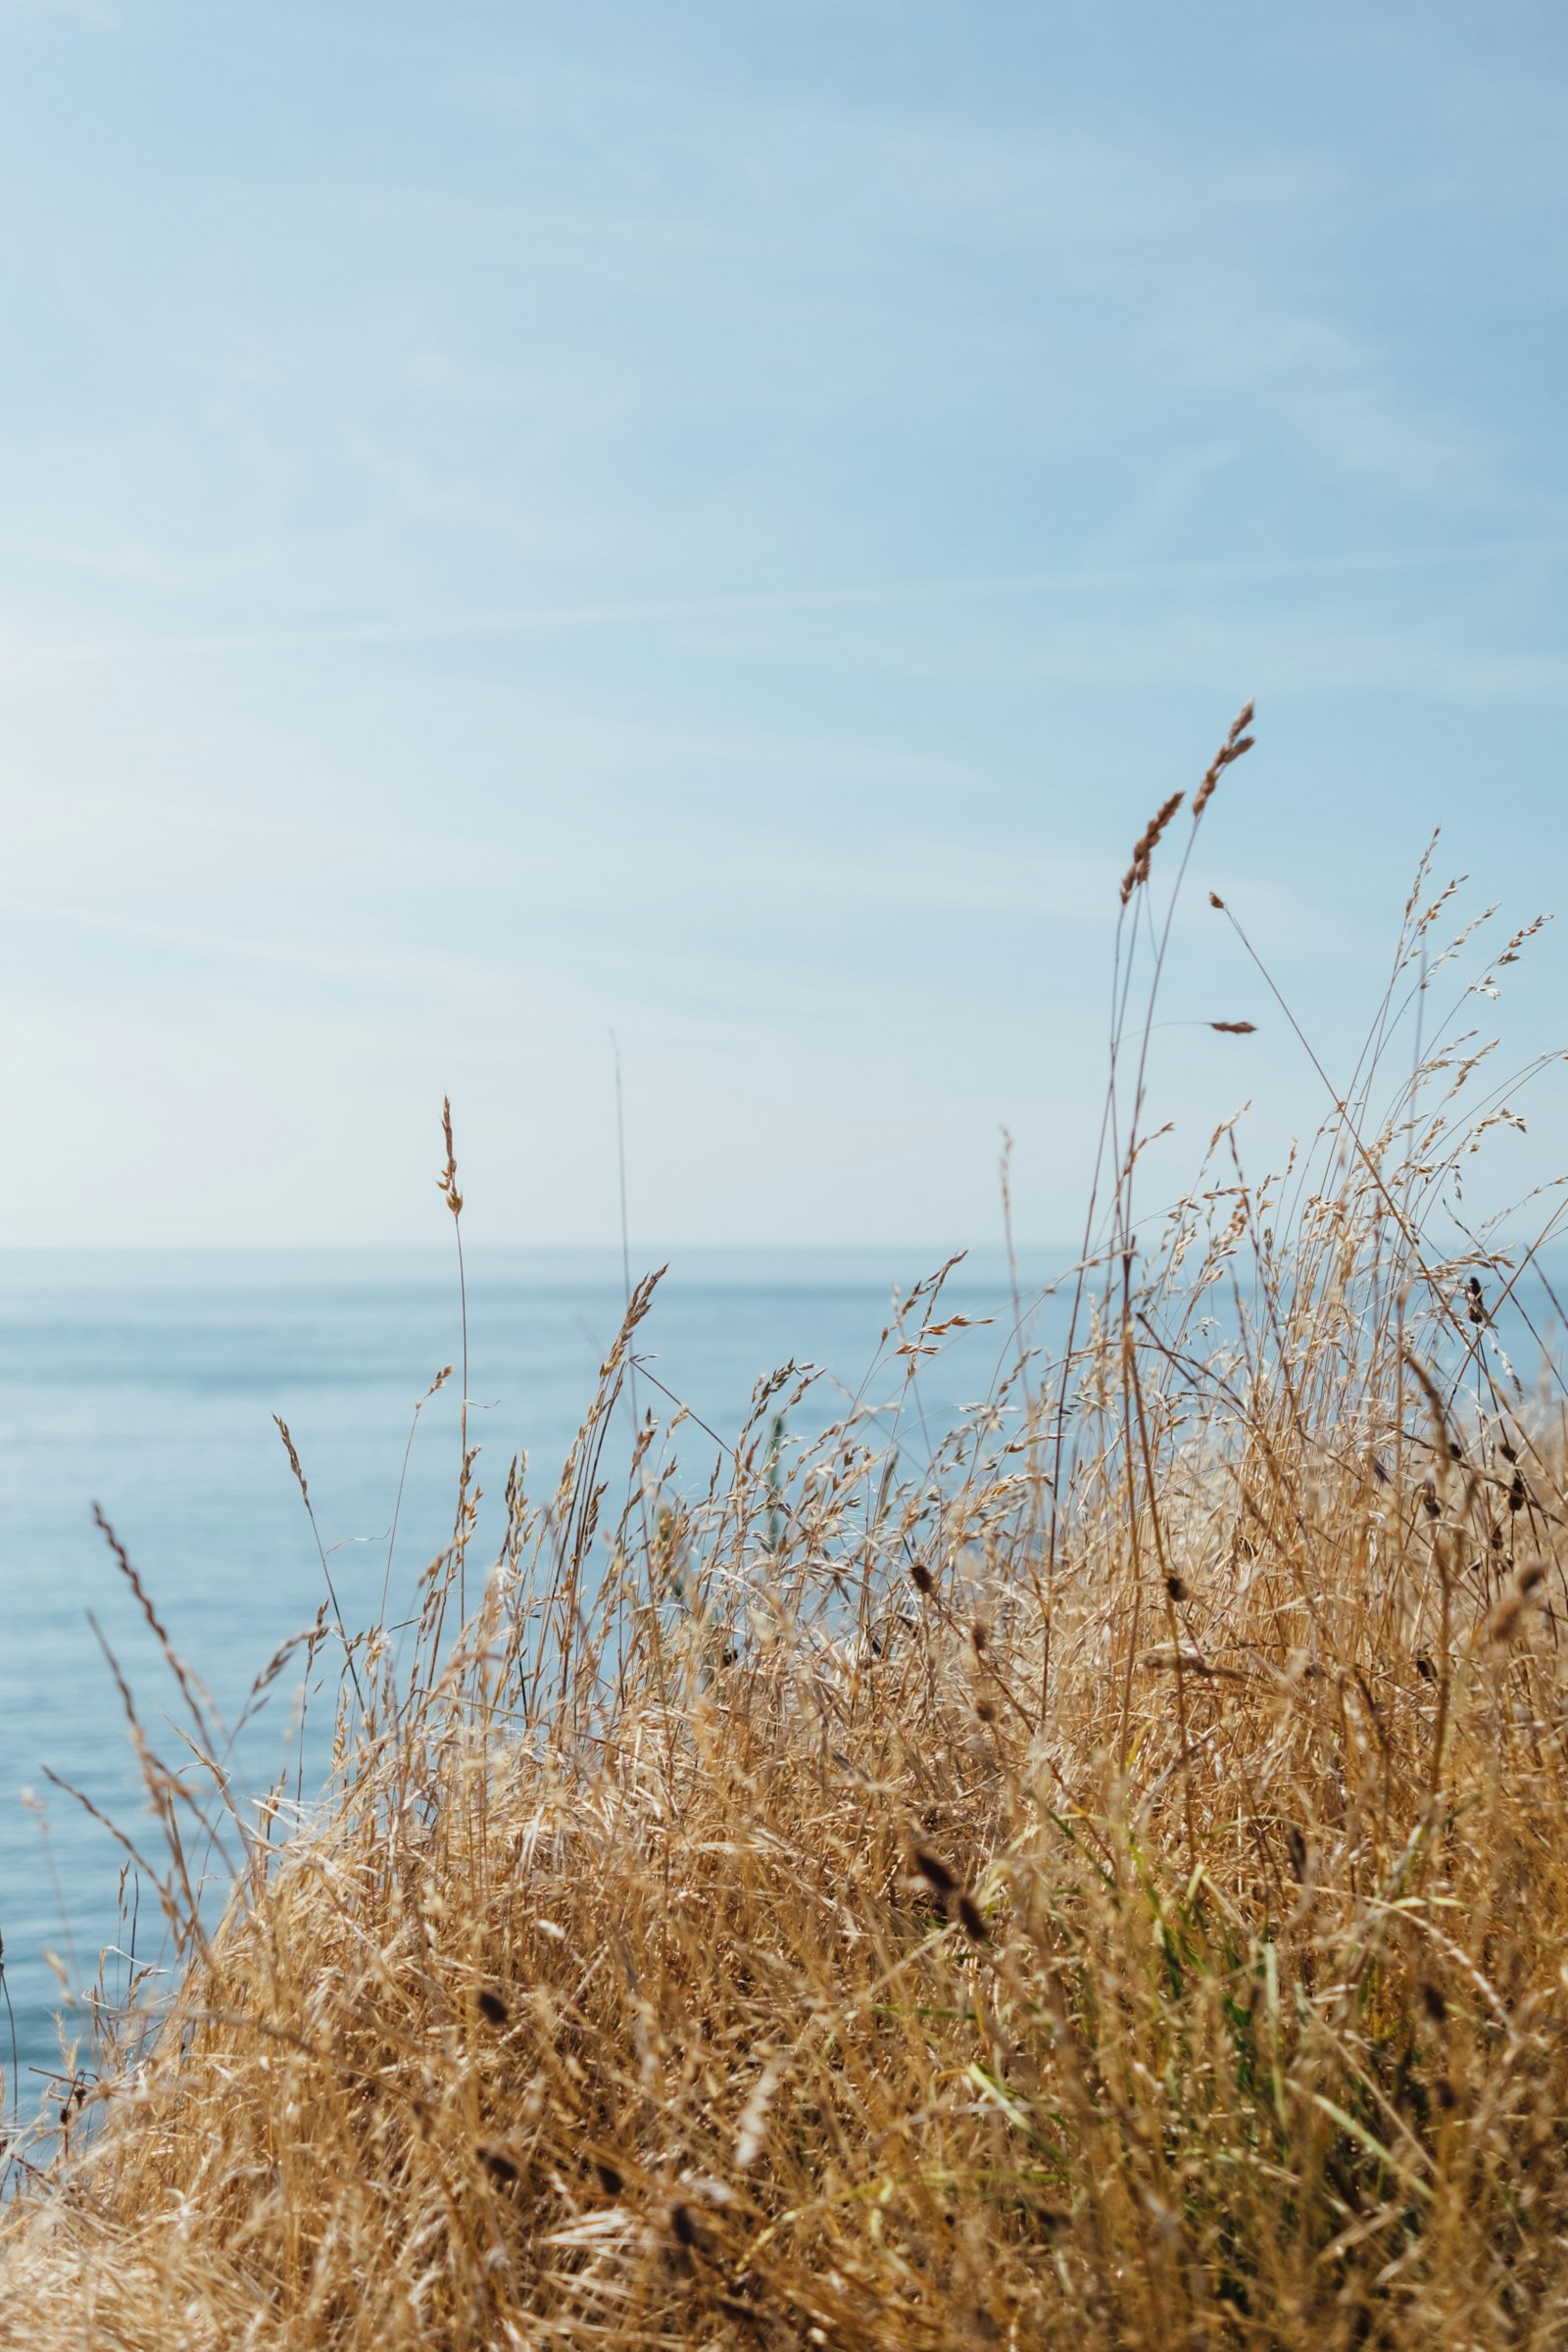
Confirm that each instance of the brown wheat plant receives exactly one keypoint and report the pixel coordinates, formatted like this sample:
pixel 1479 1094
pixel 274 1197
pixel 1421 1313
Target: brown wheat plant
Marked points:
pixel 1104 1883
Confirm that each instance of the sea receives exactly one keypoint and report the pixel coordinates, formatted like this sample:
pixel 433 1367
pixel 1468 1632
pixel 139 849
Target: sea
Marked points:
pixel 144 1386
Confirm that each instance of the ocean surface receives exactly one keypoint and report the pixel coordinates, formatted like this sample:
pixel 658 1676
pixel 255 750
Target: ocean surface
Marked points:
pixel 146 1383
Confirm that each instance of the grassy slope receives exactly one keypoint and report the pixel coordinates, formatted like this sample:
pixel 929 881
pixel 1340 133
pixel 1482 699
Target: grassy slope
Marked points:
pixel 1107 1889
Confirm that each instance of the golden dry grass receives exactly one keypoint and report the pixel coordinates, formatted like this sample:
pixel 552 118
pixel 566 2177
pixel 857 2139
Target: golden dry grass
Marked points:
pixel 1106 1888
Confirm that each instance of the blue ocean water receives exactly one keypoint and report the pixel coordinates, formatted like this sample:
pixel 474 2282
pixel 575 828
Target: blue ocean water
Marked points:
pixel 147 1382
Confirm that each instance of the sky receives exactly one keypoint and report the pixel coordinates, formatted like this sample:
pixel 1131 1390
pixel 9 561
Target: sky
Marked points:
pixel 712 528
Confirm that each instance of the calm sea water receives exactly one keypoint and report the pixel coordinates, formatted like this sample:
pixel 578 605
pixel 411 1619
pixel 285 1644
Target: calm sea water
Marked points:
pixel 147 1384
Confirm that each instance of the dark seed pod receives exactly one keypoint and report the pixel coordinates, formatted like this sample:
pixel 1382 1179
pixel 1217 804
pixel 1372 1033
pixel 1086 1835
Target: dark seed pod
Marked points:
pixel 491 2007
pixel 970 1919
pixel 921 1577
pixel 1175 1588
pixel 610 2180
pixel 1432 2001
pixel 934 1871
pixel 499 2164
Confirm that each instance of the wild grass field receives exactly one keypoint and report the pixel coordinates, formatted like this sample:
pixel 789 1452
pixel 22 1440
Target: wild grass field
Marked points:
pixel 1101 1882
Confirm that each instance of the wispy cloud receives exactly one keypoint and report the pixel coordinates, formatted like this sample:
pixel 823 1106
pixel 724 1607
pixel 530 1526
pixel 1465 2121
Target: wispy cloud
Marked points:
pixel 1336 398
pixel 867 595
pixel 402 969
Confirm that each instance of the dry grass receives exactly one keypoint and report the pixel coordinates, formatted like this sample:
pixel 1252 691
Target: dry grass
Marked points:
pixel 1106 1886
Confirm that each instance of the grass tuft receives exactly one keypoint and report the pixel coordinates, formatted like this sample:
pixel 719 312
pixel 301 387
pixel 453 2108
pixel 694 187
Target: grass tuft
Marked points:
pixel 1147 1930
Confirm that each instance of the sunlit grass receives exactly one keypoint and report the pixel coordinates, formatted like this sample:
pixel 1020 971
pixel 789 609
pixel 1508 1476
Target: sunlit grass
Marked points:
pixel 1105 1884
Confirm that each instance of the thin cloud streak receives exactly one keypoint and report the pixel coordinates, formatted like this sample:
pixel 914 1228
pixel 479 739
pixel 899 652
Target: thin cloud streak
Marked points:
pixel 406 967
pixel 866 596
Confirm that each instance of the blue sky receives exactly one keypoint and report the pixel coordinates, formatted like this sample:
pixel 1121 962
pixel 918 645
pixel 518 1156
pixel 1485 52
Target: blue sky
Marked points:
pixel 718 523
